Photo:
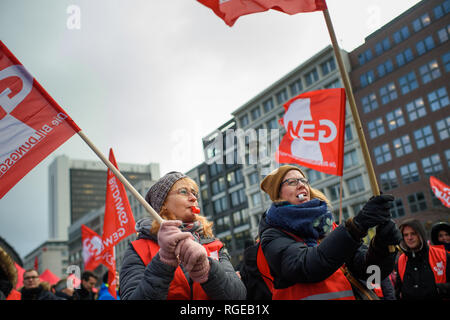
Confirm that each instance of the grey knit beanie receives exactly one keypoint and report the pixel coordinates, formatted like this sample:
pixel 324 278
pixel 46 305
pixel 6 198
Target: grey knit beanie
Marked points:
pixel 157 193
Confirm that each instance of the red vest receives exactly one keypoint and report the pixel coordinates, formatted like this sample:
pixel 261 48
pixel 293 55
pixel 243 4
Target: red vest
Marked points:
pixel 14 295
pixel 179 287
pixel 335 287
pixel 437 258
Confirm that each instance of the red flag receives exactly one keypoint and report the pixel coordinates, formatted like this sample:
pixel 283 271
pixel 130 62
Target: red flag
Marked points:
pixel 441 191
pixel 20 272
pixel 314 138
pixel 36 263
pixel 32 124
pixel 230 10
pixel 118 222
pixel 49 276
pixel 92 248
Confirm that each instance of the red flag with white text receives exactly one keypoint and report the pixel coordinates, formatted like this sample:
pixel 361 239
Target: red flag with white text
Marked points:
pixel 118 222
pixel 230 10
pixel 92 248
pixel 441 191
pixel 32 124
pixel 314 123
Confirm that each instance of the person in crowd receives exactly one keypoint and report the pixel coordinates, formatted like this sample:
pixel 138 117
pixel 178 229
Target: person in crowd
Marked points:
pixel 8 277
pixel 86 290
pixel 440 235
pixel 422 270
pixel 104 293
pixel 180 258
pixel 33 289
pixel 60 289
pixel 305 256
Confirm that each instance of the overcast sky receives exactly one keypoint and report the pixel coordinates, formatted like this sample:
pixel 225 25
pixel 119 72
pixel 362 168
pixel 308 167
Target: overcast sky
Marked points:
pixel 150 78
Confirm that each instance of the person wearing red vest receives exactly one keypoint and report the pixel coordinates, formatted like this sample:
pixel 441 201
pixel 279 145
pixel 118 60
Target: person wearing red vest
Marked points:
pixel 179 259
pixel 422 270
pixel 304 254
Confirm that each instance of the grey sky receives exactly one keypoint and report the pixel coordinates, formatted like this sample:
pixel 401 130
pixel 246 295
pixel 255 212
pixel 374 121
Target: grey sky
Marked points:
pixel 151 78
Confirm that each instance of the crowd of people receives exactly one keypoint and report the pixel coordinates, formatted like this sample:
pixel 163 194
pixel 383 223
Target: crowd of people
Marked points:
pixel 300 252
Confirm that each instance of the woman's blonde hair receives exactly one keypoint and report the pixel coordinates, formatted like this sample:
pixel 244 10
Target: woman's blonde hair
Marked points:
pixel 164 213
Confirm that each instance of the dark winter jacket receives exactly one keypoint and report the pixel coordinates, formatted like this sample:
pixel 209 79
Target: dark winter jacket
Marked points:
pixel 418 280
pixel 38 293
pixel 151 282
pixel 83 294
pixel 435 232
pixel 294 262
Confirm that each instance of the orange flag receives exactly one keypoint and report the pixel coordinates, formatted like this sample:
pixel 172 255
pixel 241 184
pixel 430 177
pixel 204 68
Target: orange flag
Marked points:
pixel 441 191
pixel 118 221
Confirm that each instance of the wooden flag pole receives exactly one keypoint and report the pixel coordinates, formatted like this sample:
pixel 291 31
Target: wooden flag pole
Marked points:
pixel 351 100
pixel 122 179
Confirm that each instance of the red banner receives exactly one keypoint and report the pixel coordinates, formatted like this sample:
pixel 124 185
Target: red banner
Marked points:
pixel 32 124
pixel 118 222
pixel 230 10
pixel 315 125
pixel 441 191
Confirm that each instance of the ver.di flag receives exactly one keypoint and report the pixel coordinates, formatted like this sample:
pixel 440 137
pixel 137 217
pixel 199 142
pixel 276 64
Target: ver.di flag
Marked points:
pixel 118 222
pixel 230 10
pixel 92 248
pixel 314 123
pixel 440 190
pixel 32 124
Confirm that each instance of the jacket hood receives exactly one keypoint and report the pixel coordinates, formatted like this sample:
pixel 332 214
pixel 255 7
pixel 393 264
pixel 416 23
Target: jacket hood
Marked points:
pixel 417 226
pixel 437 227
pixel 142 227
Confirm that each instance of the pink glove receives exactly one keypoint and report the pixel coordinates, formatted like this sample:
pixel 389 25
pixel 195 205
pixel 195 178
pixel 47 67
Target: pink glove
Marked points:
pixel 194 259
pixel 168 237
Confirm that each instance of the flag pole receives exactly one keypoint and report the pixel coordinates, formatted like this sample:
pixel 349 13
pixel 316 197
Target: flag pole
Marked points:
pixel 351 100
pixel 122 179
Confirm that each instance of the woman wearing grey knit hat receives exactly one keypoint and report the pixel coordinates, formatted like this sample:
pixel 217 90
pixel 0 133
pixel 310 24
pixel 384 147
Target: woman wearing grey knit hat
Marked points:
pixel 303 253
pixel 179 259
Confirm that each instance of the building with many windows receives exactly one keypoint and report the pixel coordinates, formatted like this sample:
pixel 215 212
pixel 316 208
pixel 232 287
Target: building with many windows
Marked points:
pixel 400 77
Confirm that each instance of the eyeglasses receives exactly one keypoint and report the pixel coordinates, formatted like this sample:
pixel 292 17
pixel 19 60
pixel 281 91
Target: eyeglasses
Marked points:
pixel 31 277
pixel 185 192
pixel 293 182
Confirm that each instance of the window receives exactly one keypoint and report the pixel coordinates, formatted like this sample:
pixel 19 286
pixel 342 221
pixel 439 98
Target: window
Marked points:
pixel 367 78
pixel 401 35
pixel 369 102
pixel 282 96
pixel 404 57
pixel 446 61
pixel 311 77
pixel 268 105
pixel 443 128
pixel 296 87
pixel 256 198
pixel 350 159
pixel 382 46
pixel 408 82
pixel 402 145
pixel 429 71
pixel 443 34
pixel 432 165
pixel 328 66
pixel 417 202
pixel 388 93
pixel 334 192
pixel 397 209
pixel 272 124
pixel 382 154
pixel 425 45
pixel 421 22
pixel 348 136
pixel 313 175
pixel 333 84
pixel 376 128
pixel 238 197
pixel 218 185
pixel 441 9
pixel 395 119
pixel 365 57
pixel 220 205
pixel 256 113
pixel 438 99
pixel 416 109
pixel 447 157
pixel 244 120
pixel 355 184
pixel 388 180
pixel 385 68
pixel 409 173
pixel 424 137
pixel 253 178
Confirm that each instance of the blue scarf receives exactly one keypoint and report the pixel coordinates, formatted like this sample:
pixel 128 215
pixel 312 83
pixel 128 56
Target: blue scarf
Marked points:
pixel 310 220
